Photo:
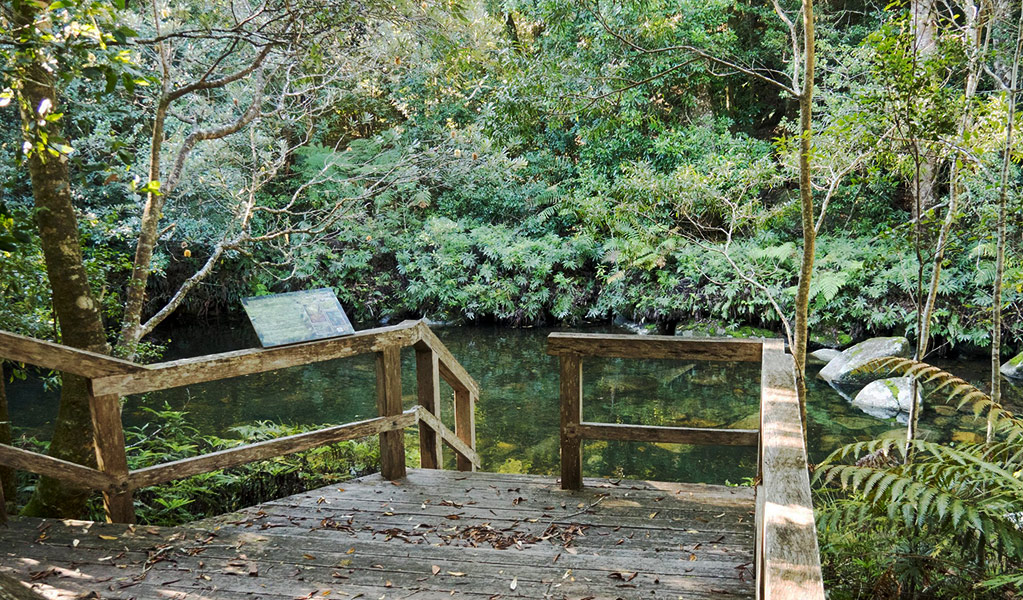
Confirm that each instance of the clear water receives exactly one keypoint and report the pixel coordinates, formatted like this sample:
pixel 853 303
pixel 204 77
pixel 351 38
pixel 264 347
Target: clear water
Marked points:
pixel 517 416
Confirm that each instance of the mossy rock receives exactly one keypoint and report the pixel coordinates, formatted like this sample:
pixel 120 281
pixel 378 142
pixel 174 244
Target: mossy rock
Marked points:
pixel 1014 367
pixel 845 369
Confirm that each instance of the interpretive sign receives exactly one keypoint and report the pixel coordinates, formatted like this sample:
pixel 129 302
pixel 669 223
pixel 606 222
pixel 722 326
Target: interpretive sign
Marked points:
pixel 281 319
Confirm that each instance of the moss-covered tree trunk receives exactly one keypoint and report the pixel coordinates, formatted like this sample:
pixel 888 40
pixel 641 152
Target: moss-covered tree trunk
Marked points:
pixel 78 313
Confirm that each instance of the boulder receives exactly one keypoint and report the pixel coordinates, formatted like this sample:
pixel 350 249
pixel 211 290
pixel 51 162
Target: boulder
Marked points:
pixel 1014 367
pixel 822 356
pixel 886 398
pixel 840 370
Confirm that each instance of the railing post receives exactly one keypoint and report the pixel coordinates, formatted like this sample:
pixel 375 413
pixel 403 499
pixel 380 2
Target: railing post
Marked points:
pixel 108 439
pixel 428 384
pixel 465 424
pixel 392 443
pixel 571 415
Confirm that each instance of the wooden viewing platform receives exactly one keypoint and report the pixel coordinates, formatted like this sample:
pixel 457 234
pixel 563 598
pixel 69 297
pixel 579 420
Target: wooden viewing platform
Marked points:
pixel 429 533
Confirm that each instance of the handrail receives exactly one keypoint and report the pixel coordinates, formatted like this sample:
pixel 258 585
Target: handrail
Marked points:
pixel 57 357
pixel 571 348
pixel 787 554
pixel 110 378
pixel 788 558
pixel 213 367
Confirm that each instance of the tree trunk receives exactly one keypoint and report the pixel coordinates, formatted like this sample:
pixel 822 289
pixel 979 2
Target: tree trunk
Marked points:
pixel 806 208
pixel 924 22
pixel 996 292
pixel 78 313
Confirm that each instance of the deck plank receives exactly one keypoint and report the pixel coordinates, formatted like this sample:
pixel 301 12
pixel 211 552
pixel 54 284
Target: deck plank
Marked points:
pixel 372 538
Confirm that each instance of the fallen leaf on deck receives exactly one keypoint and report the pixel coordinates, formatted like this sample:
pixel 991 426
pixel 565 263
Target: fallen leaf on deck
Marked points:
pixel 308 557
pixel 514 583
pixel 108 537
pixel 435 569
pixel 456 574
pixel 653 514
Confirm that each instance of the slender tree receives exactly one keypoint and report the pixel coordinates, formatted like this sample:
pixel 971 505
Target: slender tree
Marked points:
pixel 1003 198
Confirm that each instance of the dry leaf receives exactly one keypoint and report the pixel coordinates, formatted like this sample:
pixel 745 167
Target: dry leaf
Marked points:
pixel 653 514
pixel 456 574
pixel 435 569
pixel 514 583
pixel 108 537
pixel 308 557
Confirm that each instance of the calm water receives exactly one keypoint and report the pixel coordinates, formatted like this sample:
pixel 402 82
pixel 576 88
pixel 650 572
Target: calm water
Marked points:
pixel 517 416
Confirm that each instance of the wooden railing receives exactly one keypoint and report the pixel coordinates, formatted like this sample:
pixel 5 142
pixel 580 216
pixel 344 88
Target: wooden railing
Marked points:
pixel 787 555
pixel 111 378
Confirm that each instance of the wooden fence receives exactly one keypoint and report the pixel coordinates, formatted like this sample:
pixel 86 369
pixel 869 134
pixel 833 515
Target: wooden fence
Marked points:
pixel 787 555
pixel 111 378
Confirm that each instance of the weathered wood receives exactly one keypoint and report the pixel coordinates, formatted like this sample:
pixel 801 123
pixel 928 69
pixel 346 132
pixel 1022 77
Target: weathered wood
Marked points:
pixel 256 360
pixel 666 435
pixel 465 427
pixel 464 451
pixel 352 539
pixel 12 589
pixel 571 414
pixel 392 443
pixel 49 466
pixel 48 355
pixel 790 558
pixel 108 439
pixel 269 449
pixel 428 394
pixel 450 369
pixel 652 347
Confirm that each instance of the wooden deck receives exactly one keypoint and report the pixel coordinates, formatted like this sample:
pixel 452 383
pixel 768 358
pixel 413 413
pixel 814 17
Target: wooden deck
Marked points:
pixel 435 534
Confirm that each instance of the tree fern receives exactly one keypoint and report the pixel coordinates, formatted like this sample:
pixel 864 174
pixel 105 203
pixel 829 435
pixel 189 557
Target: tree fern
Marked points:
pixel 967 497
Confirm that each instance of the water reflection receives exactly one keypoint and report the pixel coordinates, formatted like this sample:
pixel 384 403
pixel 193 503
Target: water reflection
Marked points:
pixel 518 413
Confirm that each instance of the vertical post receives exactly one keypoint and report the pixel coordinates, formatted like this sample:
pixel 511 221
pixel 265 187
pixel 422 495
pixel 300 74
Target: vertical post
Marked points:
pixel 465 424
pixel 571 415
pixel 392 443
pixel 108 438
pixel 428 384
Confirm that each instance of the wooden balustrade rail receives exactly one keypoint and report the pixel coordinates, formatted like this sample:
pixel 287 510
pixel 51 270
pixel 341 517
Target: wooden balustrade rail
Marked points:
pixel 111 378
pixel 788 559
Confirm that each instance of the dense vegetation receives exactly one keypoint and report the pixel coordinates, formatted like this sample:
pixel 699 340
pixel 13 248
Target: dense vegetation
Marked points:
pixel 523 163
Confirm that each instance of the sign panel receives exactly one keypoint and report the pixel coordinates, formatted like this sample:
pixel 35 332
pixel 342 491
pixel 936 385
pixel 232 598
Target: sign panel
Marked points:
pixel 281 319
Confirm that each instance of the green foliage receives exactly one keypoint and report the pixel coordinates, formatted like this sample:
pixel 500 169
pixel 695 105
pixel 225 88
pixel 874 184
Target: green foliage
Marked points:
pixel 950 513
pixel 169 436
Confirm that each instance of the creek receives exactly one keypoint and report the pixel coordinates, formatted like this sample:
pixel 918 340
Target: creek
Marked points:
pixel 517 415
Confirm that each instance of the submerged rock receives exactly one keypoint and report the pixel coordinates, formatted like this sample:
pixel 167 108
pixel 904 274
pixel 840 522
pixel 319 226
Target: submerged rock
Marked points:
pixel 841 369
pixel 886 398
pixel 967 437
pixel 749 422
pixel 822 356
pixel 1014 367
